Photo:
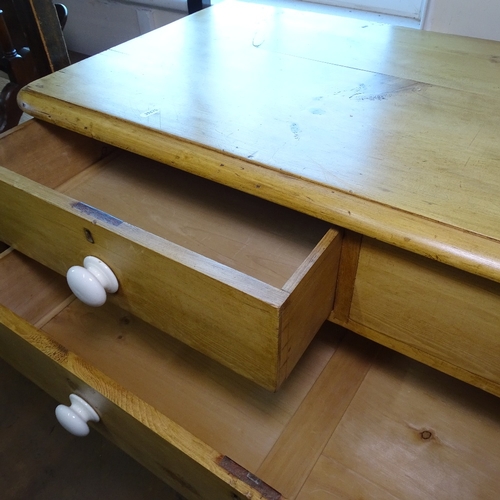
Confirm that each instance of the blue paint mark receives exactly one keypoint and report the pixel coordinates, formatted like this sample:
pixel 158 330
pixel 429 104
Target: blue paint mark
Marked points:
pixel 96 213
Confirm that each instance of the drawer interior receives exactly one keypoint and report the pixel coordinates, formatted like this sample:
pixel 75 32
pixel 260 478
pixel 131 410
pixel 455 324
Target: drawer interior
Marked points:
pixel 258 238
pixel 353 418
pixel 262 240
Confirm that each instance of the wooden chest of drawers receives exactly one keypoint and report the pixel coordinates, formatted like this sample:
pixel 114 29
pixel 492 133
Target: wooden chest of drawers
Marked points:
pixel 198 425
pixel 395 159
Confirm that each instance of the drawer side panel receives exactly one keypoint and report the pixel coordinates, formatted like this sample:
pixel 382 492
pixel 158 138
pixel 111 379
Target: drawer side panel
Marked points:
pixel 48 154
pixel 310 301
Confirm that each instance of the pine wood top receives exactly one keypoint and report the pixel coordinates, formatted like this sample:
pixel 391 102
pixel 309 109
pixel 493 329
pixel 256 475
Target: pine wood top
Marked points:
pixel 388 131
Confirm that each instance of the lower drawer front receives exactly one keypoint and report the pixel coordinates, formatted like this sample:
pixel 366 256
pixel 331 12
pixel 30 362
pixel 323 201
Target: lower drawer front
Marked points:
pixel 159 444
pixel 430 311
pixel 353 420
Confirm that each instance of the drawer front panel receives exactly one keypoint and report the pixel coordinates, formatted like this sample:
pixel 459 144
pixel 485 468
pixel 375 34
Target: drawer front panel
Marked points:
pixel 430 311
pixel 218 311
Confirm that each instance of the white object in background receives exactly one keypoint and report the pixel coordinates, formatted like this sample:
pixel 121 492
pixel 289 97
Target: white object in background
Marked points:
pixel 74 418
pixel 405 8
pixel 91 282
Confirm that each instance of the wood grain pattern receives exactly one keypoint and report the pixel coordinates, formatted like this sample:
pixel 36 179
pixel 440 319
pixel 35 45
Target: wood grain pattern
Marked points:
pixel 168 374
pixel 244 310
pixel 42 291
pixel 389 133
pixel 412 433
pixel 129 421
pixel 294 454
pixel 452 318
pixel 401 148
pixel 312 290
pixel 348 266
pixel 229 413
pixel 54 155
pixel 258 238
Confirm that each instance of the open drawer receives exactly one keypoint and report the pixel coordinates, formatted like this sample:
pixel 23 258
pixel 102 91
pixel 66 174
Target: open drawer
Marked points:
pixel 353 420
pixel 240 279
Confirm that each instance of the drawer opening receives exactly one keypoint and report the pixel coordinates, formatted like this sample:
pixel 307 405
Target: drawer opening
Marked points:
pixel 256 237
pixel 231 414
pixel 259 238
pixel 242 280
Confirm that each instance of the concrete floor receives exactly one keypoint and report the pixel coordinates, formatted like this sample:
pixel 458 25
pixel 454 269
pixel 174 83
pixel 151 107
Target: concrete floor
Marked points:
pixel 39 460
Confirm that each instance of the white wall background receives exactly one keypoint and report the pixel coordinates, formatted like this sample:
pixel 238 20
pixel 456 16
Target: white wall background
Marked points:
pixel 476 18
pixel 406 8
pixel 96 25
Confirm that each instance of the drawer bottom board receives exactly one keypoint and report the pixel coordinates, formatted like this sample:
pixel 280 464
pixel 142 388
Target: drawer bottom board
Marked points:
pixel 353 420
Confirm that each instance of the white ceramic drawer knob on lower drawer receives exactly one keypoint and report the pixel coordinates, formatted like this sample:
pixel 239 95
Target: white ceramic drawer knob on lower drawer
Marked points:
pixel 74 418
pixel 92 282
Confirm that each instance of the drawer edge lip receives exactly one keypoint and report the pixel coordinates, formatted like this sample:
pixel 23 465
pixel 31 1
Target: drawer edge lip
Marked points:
pixel 328 239
pixel 168 430
pixel 418 234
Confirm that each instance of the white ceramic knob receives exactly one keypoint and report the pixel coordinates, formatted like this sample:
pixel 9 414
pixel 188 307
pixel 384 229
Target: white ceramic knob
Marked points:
pixel 74 418
pixel 91 282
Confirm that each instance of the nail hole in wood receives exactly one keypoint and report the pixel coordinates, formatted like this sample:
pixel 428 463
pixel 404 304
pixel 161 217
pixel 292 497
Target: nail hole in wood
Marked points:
pixel 88 235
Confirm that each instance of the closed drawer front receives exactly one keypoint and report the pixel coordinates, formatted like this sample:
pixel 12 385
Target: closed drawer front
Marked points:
pixel 242 280
pixel 352 420
pixel 443 316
